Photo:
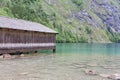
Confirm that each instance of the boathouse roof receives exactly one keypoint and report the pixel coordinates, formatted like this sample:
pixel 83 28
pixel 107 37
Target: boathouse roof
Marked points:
pixel 19 24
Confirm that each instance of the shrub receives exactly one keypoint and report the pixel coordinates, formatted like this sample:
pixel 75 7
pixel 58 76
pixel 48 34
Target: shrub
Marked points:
pixel 79 3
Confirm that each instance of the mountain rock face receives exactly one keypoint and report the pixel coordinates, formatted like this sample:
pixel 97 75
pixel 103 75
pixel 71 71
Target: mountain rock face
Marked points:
pixel 105 10
pixel 75 20
pixel 97 20
pixel 111 17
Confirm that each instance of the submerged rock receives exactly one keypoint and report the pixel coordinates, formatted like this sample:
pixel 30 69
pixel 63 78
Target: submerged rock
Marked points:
pixel 90 72
pixel 114 76
pixel 7 56
pixel 22 55
pixel 14 56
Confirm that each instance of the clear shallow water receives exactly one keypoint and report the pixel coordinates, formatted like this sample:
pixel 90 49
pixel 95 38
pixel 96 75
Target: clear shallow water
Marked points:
pixel 68 63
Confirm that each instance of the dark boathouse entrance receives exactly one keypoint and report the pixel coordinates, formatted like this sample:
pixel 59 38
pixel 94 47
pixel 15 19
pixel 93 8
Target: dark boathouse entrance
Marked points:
pixel 24 36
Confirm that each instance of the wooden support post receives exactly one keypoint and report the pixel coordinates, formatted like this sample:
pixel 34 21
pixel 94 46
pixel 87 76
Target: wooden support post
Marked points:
pixel 36 51
pixel 54 50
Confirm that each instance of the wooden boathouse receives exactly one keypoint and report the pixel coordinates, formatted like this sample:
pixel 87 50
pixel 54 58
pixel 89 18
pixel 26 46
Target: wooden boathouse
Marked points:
pixel 18 35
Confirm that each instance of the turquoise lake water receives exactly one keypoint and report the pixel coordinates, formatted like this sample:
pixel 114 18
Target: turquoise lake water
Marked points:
pixel 68 63
pixel 86 48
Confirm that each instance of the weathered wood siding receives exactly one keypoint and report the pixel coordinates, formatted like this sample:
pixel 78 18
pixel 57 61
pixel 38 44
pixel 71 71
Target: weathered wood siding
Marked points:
pixel 17 36
pixel 22 39
pixel 1 36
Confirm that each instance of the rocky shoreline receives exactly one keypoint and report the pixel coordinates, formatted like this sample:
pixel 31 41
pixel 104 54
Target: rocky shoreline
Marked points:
pixel 9 56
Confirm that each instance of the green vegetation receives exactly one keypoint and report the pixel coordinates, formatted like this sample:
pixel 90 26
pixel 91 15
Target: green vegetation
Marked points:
pixel 79 3
pixel 28 10
pixel 114 37
pixel 57 14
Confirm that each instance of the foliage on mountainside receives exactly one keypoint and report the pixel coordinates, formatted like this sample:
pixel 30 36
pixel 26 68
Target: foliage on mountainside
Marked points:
pixel 75 20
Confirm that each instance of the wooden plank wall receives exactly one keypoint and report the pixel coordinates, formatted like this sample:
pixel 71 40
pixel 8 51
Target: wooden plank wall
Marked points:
pixel 1 39
pixel 19 36
pixel 25 37
pixel 1 36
